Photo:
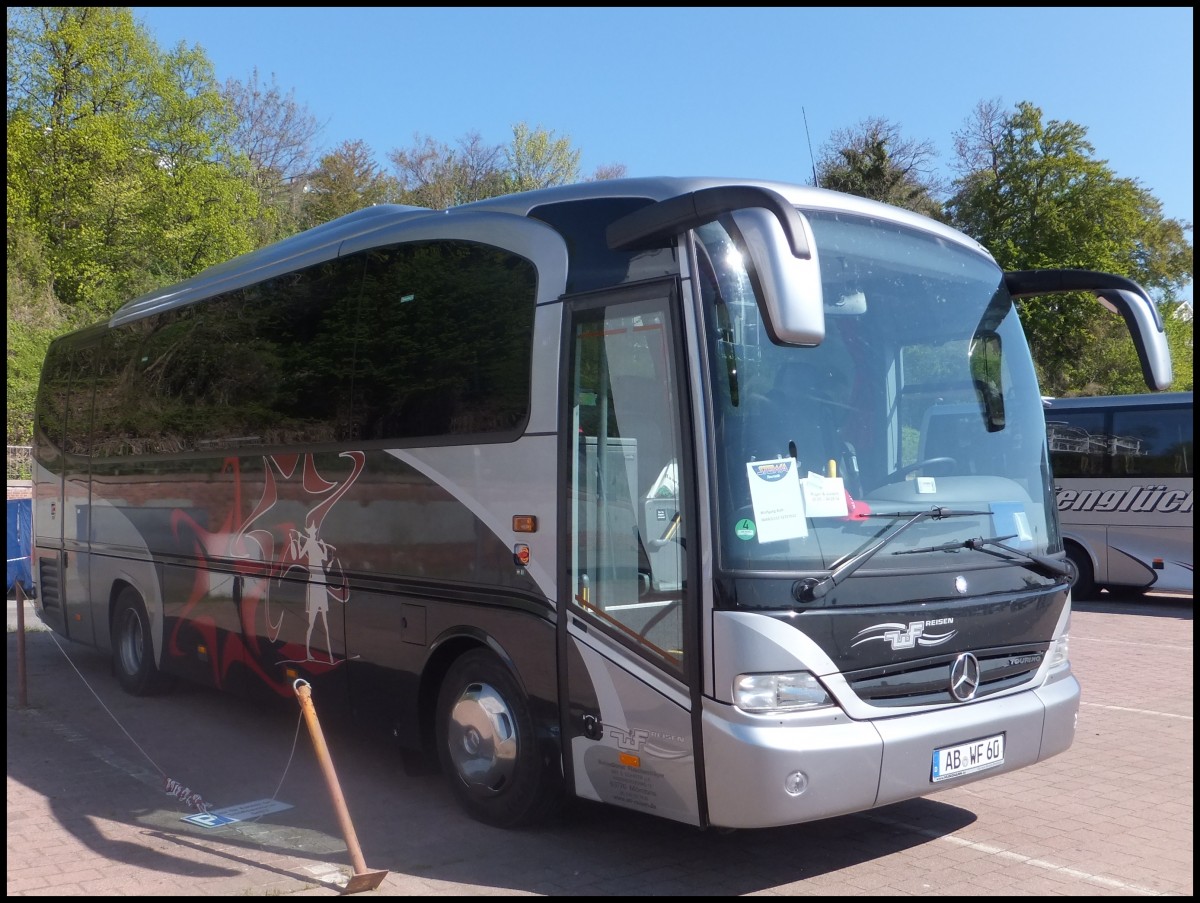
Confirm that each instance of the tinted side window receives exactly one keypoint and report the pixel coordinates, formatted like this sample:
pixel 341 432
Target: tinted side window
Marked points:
pixel 584 226
pixel 122 422
pixel 292 341
pixel 1126 442
pixel 50 419
pixel 436 341
pixel 1152 443
pixel 447 341
pixel 271 364
pixel 1077 444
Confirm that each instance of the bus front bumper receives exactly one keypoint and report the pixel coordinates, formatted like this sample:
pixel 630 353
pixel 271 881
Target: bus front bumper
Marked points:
pixel 755 764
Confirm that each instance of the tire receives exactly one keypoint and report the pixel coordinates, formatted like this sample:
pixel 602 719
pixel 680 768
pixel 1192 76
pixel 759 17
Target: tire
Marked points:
pixel 488 748
pixel 133 647
pixel 1083 587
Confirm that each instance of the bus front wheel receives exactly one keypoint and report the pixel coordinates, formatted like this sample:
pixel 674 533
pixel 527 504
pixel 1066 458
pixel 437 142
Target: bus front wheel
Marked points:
pixel 132 647
pixel 487 744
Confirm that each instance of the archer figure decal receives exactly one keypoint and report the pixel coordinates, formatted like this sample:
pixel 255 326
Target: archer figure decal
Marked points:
pixel 314 553
pixel 282 533
pixel 301 549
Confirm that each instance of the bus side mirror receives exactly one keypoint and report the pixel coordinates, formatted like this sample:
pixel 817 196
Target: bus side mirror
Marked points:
pixel 1117 294
pixel 987 371
pixel 1149 336
pixel 790 285
pixel 775 237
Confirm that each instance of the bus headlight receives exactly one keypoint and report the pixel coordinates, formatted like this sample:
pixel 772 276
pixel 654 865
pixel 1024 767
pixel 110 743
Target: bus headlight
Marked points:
pixel 1059 650
pixel 794 691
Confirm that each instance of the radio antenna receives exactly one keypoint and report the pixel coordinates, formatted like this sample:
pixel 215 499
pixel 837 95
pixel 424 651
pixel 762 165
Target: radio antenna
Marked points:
pixel 811 158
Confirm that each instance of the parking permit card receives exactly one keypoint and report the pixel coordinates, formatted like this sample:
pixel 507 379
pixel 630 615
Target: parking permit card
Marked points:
pixel 777 500
pixel 824 496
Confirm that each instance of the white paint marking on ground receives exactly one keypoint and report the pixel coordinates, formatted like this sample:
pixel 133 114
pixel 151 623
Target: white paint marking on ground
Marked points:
pixel 1118 708
pixel 1075 874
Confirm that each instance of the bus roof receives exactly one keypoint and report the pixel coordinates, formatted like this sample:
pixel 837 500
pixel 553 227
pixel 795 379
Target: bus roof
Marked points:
pixel 322 243
pixel 1101 402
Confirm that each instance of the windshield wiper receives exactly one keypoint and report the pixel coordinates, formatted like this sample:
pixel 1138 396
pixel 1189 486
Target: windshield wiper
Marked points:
pixel 810 588
pixel 1047 567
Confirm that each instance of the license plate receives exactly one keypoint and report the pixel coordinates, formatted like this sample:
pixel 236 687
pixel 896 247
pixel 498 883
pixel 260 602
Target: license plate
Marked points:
pixel 965 758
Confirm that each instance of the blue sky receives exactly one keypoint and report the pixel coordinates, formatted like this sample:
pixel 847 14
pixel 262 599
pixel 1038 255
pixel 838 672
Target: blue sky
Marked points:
pixel 720 91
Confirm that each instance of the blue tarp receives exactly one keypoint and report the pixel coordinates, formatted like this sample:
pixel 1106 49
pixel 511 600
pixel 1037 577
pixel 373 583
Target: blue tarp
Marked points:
pixel 20 542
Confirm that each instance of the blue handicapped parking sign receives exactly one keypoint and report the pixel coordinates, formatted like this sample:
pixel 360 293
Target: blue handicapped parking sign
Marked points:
pixel 209 819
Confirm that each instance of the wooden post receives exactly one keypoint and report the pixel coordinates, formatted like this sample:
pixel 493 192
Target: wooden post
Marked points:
pixel 363 878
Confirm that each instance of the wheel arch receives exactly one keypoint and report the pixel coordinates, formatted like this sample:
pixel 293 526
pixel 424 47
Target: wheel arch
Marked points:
pixel 445 650
pixel 1085 581
pixel 540 691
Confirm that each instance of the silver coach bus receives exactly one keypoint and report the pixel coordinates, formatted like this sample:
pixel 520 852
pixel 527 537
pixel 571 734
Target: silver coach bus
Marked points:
pixel 1123 474
pixel 616 490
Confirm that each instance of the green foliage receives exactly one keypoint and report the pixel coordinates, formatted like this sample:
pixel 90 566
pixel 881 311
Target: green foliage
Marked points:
pixel 116 155
pixel 1180 341
pixel 874 160
pixel 27 341
pixel 347 179
pixel 433 174
pixel 536 159
pixel 34 315
pixel 1033 193
pixel 120 177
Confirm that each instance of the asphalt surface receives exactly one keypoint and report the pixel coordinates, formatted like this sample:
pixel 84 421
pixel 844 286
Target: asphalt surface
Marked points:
pixel 89 813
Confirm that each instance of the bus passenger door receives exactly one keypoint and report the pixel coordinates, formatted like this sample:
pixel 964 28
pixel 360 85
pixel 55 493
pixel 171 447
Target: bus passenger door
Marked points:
pixel 628 637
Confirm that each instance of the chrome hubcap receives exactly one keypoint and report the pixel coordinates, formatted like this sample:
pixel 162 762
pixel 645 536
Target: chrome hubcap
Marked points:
pixel 131 643
pixel 482 738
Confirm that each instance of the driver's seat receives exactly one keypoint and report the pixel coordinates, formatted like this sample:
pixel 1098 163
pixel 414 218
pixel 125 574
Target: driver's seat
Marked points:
pixel 798 421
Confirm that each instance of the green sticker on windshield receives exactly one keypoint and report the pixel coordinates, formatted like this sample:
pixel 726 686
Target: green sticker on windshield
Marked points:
pixel 744 529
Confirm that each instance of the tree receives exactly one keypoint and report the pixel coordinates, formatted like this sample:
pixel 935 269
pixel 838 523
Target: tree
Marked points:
pixel 1181 340
pixel 118 171
pixel 347 179
pixel 874 160
pixel 275 134
pixel 433 174
pixel 536 159
pixel 608 171
pixel 120 178
pixel 1034 194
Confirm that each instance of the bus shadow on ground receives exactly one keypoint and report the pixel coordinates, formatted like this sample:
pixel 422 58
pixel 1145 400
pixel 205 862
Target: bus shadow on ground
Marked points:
pixel 96 755
pixel 1152 605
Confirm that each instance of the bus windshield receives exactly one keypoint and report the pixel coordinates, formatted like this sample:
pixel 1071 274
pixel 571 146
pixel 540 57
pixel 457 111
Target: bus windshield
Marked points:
pixel 922 395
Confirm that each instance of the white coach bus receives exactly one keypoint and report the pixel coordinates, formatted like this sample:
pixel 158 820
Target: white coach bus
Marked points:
pixel 615 490
pixel 1123 482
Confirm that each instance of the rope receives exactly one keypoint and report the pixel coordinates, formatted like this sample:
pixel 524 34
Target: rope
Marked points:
pixel 170 785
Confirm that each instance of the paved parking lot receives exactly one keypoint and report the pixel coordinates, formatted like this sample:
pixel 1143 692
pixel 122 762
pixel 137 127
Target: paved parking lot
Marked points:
pixel 88 814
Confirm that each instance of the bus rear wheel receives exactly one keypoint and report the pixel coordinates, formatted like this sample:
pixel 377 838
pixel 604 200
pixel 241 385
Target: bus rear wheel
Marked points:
pixel 487 744
pixel 133 648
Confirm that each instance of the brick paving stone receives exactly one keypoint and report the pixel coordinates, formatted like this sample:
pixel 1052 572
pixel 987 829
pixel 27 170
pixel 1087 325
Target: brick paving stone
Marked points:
pixel 87 815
